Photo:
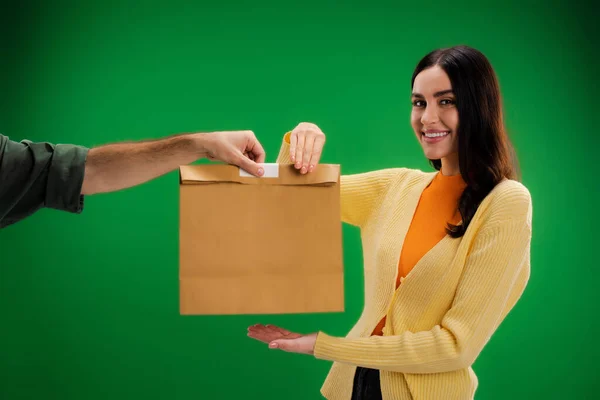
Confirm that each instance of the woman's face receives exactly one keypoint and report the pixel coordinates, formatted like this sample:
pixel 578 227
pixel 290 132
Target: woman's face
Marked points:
pixel 434 116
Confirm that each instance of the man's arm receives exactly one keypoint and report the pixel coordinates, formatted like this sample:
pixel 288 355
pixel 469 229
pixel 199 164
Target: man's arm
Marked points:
pixel 122 165
pixel 37 175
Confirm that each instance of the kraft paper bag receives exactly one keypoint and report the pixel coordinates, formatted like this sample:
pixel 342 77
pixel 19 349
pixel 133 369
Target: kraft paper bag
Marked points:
pixel 268 245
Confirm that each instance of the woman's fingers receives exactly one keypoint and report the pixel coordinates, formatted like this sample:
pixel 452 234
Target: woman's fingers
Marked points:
pixel 317 150
pixel 301 138
pixel 307 152
pixel 306 146
pixel 269 333
pixel 262 334
pixel 293 145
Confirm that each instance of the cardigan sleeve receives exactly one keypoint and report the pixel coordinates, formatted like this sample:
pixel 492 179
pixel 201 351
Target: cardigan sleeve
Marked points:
pixel 494 277
pixel 359 193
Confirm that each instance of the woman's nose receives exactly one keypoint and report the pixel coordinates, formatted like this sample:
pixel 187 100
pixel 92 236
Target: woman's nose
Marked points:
pixel 429 116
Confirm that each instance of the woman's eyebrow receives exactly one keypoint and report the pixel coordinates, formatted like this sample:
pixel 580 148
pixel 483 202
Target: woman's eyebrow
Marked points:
pixel 442 92
pixel 436 94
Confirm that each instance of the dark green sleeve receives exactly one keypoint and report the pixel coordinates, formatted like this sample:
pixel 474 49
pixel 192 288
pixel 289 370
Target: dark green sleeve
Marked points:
pixel 36 175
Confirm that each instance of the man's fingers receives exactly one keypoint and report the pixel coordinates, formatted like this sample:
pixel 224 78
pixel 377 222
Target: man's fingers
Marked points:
pixel 260 158
pixel 249 166
pixel 256 149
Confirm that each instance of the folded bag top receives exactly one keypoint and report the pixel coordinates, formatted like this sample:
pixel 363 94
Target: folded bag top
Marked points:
pixel 275 174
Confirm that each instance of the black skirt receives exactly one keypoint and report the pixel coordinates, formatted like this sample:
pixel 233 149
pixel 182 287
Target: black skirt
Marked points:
pixel 366 384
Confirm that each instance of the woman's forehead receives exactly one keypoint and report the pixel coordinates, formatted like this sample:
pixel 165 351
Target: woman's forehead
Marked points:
pixel 431 80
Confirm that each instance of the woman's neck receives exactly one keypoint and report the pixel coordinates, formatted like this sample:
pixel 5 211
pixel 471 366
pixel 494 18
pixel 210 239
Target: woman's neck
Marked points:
pixel 450 165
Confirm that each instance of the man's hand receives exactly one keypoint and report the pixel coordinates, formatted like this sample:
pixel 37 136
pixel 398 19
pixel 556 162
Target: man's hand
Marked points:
pixel 240 148
pixel 122 165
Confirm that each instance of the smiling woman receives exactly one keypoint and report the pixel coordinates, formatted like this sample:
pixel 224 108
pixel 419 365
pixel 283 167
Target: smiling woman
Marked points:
pixel 446 254
pixel 435 119
pixel 457 89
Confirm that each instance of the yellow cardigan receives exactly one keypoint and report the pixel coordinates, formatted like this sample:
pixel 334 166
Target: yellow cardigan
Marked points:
pixel 447 307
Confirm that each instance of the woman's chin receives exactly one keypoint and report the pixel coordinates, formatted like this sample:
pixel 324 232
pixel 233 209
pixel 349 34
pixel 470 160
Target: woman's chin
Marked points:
pixel 434 155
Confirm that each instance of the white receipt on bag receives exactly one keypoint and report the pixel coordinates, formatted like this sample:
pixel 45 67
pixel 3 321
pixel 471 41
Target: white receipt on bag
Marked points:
pixel 271 171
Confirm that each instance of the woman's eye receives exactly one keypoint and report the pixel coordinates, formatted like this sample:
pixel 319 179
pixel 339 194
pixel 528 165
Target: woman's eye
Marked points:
pixel 447 102
pixel 418 103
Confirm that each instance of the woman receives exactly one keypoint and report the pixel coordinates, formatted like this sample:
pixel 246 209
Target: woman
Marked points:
pixel 446 254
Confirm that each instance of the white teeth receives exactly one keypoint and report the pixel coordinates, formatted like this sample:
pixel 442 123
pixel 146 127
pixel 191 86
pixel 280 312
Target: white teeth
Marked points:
pixel 437 134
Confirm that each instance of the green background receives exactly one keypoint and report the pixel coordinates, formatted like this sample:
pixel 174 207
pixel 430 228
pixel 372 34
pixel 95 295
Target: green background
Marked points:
pixel 89 303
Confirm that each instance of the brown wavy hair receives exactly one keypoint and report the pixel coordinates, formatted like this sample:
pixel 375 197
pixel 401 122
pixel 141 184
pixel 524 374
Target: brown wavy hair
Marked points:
pixel 485 153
